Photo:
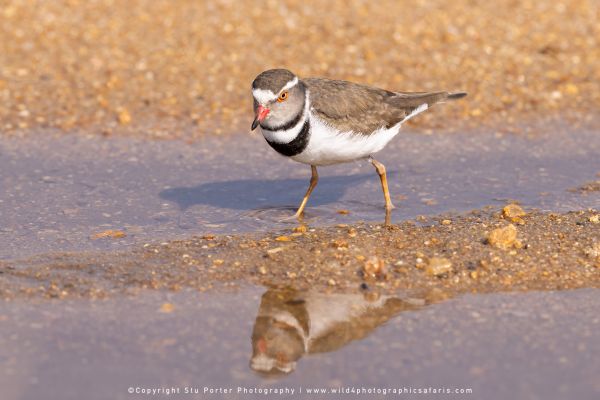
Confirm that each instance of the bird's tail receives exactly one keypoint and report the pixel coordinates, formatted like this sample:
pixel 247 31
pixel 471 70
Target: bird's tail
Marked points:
pixel 415 99
pixel 456 95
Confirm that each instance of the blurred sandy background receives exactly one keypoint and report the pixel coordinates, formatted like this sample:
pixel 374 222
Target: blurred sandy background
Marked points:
pixel 182 68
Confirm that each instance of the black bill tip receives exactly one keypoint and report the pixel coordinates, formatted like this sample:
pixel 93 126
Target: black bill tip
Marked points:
pixel 255 123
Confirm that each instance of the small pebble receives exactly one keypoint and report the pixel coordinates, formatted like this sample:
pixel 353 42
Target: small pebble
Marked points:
pixel 300 229
pixel 113 234
pixel 503 238
pixel 438 266
pixel 167 308
pixel 275 250
pixel 514 213
pixel 124 117
pixel 593 251
pixel 374 268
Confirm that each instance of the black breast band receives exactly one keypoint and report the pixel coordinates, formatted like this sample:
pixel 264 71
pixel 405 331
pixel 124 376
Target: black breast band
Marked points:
pixel 297 145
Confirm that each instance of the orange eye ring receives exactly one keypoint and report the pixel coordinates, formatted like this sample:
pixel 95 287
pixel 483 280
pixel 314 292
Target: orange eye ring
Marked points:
pixel 283 96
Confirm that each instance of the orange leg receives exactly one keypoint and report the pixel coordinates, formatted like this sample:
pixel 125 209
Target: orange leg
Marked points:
pixel 382 176
pixel 313 182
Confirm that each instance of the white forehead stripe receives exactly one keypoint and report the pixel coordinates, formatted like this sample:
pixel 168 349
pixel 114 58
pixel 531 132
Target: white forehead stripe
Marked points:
pixel 263 96
pixel 290 84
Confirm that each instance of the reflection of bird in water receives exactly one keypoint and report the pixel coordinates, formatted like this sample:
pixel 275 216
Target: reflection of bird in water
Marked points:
pixel 292 323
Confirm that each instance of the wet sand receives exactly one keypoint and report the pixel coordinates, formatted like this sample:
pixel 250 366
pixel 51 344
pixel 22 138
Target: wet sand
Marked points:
pixel 117 253
pixel 170 215
pixel 436 257
pixel 154 291
pixel 163 300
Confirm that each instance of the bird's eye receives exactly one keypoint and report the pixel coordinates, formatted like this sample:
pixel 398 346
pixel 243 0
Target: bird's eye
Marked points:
pixel 283 96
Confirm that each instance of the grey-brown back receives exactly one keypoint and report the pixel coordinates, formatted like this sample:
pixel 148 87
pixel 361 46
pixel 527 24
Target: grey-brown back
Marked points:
pixel 363 109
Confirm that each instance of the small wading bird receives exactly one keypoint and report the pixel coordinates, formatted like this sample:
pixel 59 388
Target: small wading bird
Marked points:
pixel 319 121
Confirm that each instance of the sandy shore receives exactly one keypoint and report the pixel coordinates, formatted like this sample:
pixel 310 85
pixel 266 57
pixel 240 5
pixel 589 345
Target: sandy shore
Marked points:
pixel 484 251
pixel 183 68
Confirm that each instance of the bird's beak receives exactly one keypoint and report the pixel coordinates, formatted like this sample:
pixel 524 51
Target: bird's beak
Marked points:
pixel 261 113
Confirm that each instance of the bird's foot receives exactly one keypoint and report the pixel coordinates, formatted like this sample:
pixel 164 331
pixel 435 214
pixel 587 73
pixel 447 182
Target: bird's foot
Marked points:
pixel 295 217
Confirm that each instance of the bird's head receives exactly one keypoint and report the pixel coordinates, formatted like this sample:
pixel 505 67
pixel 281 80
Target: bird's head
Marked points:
pixel 279 97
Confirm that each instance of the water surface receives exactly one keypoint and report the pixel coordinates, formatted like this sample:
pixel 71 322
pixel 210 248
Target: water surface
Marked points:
pixel 58 191
pixel 536 345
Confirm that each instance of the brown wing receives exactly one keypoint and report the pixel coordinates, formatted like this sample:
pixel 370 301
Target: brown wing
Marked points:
pixel 363 109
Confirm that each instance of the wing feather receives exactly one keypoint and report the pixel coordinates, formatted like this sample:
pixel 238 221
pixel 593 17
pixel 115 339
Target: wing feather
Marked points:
pixel 362 109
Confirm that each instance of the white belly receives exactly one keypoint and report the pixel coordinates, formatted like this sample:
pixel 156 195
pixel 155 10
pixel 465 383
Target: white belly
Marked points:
pixel 327 146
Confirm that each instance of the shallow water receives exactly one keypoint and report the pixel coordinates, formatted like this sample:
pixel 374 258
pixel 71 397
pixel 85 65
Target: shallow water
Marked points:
pixel 58 191
pixel 536 345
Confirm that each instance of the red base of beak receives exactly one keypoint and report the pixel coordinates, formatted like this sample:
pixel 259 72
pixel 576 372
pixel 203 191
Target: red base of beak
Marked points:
pixel 261 114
